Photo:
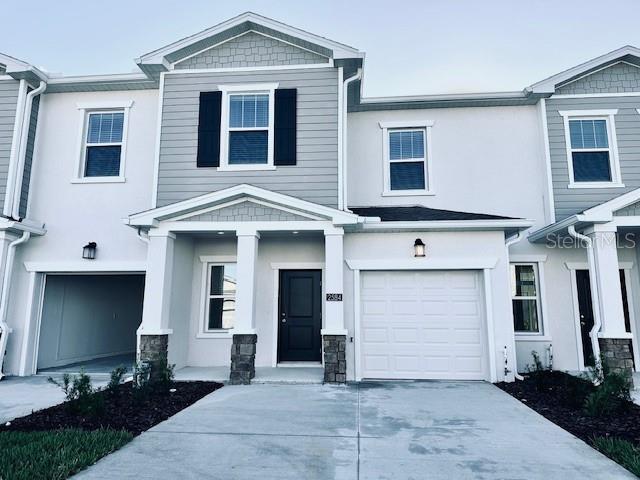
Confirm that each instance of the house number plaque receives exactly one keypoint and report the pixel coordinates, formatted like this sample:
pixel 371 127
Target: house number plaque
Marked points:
pixel 334 297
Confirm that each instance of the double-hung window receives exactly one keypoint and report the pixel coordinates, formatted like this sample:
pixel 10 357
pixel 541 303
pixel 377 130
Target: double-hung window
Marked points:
pixel 103 142
pixel 525 298
pixel 591 149
pixel 247 127
pixel 406 158
pixel 220 305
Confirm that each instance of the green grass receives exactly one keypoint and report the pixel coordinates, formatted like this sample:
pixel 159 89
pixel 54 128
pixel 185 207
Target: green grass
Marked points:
pixel 55 454
pixel 621 451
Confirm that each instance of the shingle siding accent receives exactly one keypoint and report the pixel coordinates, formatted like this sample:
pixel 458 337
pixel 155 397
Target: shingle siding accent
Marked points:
pixel 570 201
pixel 246 212
pixel 617 78
pixel 314 178
pixel 251 50
pixel 8 102
pixel 632 210
pixel 31 139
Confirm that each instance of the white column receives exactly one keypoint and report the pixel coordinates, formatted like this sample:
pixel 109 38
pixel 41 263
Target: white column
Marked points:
pixel 158 284
pixel 247 255
pixel 605 272
pixel 333 282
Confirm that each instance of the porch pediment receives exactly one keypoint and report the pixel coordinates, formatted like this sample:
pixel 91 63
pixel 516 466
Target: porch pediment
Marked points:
pixel 242 203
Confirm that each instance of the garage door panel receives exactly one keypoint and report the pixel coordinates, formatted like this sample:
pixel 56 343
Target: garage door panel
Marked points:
pixel 422 325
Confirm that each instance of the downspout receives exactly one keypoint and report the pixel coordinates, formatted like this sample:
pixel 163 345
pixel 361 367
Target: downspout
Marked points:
pixel 595 297
pixel 510 241
pixel 4 299
pixel 345 149
pixel 22 157
pixel 15 149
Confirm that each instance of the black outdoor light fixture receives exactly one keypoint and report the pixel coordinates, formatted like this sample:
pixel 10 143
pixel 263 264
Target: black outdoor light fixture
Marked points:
pixel 89 251
pixel 419 248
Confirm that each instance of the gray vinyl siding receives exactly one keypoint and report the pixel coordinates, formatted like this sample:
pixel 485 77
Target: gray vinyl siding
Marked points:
pixel 314 178
pixel 617 78
pixel 8 102
pixel 570 201
pixel 632 210
pixel 31 139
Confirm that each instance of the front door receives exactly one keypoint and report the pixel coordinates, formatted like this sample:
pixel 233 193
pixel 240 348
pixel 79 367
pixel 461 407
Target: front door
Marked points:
pixel 300 316
pixel 585 306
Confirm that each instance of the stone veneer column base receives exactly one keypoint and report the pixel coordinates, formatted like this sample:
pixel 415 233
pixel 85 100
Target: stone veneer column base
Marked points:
pixel 243 359
pixel 617 355
pixel 153 350
pixel 335 360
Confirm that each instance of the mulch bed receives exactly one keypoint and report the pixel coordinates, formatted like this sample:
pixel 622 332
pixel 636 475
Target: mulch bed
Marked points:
pixel 124 409
pixel 552 402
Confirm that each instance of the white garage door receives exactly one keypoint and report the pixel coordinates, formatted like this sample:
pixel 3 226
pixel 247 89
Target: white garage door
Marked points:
pixel 422 325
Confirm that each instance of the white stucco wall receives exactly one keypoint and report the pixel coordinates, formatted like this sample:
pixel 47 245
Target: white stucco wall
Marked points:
pixel 484 160
pixel 73 213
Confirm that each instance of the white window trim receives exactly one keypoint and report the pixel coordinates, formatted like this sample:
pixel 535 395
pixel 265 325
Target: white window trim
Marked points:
pixel 538 271
pixel 249 89
pixel 207 262
pixel 85 110
pixel 386 161
pixel 609 117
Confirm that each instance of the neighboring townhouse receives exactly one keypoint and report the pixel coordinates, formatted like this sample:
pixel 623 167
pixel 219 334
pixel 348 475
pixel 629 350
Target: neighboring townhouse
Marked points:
pixel 238 203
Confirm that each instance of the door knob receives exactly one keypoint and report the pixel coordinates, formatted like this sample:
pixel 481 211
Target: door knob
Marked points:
pixel 284 320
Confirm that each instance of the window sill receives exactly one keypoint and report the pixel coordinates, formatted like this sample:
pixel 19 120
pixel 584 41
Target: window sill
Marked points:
pixel 219 334
pixel 246 168
pixel 407 193
pixel 99 180
pixel 596 185
pixel 525 337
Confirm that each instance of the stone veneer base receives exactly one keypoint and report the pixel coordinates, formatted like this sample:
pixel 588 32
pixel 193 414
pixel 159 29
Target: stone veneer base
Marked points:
pixel 617 354
pixel 153 350
pixel 335 360
pixel 243 359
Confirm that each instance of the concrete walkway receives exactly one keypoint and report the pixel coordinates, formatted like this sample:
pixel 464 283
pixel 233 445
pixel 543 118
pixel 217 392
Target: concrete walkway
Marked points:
pixel 434 430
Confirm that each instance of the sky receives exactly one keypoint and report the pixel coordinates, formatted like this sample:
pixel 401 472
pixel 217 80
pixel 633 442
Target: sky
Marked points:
pixel 412 47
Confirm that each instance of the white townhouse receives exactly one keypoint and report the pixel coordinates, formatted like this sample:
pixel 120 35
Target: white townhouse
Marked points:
pixel 238 203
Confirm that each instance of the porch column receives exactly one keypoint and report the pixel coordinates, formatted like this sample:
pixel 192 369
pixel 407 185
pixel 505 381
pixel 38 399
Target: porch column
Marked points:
pixel 243 348
pixel 154 331
pixel 334 335
pixel 614 340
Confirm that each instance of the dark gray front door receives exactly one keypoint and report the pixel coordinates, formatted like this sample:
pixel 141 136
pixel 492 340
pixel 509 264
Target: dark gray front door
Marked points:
pixel 300 316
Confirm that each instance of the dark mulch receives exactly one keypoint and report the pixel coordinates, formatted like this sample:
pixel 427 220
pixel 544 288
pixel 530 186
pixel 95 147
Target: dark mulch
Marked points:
pixel 124 409
pixel 559 397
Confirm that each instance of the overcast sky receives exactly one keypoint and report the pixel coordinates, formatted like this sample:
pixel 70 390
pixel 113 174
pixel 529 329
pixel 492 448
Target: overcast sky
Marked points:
pixel 412 47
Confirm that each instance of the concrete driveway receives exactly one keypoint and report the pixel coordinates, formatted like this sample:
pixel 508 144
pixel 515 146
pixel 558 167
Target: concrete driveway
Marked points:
pixel 434 430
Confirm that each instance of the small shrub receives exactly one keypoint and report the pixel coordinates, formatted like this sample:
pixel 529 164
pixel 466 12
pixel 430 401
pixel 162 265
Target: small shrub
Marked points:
pixel 141 375
pixel 117 375
pixel 80 394
pixel 574 391
pixel 539 373
pixel 620 451
pixel 165 374
pixel 611 394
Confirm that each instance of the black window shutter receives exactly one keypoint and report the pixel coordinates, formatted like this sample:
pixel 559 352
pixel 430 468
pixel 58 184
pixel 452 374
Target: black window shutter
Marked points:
pixel 284 148
pixel 209 129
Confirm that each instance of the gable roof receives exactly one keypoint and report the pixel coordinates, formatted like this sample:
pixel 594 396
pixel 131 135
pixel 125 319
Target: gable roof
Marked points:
pixel 628 54
pixel 20 70
pixel 162 58
pixel 419 213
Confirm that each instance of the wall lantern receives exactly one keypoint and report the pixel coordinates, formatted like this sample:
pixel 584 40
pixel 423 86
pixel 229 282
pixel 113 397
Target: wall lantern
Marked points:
pixel 419 248
pixel 89 251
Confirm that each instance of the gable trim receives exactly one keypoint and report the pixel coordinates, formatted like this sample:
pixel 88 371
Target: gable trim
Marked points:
pixel 605 210
pixel 237 201
pixel 173 64
pixel 152 218
pixel 182 71
pixel 593 72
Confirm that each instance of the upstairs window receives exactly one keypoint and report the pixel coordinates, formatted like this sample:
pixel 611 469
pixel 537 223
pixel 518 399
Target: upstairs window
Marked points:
pixel 103 147
pixel 591 150
pixel 248 129
pixel 406 159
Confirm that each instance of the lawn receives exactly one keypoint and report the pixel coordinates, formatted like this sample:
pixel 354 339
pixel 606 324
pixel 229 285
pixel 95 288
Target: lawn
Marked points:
pixel 57 454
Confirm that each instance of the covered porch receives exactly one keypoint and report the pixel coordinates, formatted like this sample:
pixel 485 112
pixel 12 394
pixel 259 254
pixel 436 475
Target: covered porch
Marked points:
pixel 242 281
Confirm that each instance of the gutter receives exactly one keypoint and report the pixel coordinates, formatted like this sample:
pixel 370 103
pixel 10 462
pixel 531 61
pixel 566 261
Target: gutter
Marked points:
pixel 4 299
pixel 595 297
pixel 511 241
pixel 345 148
pixel 22 156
